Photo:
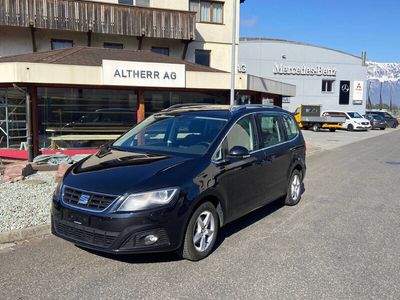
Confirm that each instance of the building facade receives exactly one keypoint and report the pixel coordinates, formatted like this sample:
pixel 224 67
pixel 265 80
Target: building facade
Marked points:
pixel 333 79
pixel 194 30
pixel 76 74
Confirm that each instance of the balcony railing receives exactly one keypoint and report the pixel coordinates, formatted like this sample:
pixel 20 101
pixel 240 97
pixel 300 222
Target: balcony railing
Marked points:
pixel 85 16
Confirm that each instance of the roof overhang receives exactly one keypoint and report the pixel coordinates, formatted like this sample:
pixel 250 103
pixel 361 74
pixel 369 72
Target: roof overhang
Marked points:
pixel 264 85
pixel 77 75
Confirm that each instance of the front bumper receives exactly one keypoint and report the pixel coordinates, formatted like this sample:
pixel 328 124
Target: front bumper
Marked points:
pixel 119 233
pixel 362 127
pixel 378 125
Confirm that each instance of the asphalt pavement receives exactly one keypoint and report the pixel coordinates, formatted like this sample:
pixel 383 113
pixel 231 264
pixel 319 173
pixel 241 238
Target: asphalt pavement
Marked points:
pixel 342 241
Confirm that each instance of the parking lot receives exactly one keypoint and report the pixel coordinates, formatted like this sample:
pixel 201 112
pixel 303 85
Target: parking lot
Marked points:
pixel 340 242
pixel 326 140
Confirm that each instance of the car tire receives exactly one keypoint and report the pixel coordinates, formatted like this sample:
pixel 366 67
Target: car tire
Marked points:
pixel 394 125
pixel 315 127
pixel 332 129
pixel 294 189
pixel 383 128
pixel 199 241
pixel 350 127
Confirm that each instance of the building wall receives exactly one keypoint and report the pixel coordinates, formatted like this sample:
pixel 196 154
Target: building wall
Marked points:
pixel 213 37
pixel 260 57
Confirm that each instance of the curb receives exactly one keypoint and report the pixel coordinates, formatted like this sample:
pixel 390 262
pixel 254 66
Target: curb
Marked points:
pixel 23 234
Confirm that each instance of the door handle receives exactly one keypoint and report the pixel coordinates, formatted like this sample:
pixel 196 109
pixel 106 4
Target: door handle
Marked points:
pixel 269 159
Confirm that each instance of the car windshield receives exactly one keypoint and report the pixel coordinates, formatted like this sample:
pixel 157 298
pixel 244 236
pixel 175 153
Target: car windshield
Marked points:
pixel 378 117
pixel 354 115
pixel 181 134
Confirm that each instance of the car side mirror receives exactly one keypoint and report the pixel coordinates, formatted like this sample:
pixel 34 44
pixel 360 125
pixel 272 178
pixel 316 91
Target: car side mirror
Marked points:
pixel 239 152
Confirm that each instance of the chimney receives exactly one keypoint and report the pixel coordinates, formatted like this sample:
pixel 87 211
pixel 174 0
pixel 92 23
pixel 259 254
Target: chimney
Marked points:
pixel 364 58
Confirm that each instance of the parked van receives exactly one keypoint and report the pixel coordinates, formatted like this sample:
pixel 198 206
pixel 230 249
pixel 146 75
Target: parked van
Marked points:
pixel 354 121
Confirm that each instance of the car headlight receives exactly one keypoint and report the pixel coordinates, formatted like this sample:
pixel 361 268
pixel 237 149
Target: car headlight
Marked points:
pixel 57 191
pixel 141 201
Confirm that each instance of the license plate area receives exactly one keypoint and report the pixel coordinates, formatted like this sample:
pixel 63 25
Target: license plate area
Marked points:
pixel 76 218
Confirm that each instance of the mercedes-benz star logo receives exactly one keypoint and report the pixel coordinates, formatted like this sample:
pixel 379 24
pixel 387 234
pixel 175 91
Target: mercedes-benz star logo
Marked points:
pixel 345 88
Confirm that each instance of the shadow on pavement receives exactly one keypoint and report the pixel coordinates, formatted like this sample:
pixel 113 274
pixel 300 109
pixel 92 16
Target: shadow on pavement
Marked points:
pixel 225 232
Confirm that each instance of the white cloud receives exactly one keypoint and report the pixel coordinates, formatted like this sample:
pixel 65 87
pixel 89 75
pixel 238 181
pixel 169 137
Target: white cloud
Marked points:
pixel 249 22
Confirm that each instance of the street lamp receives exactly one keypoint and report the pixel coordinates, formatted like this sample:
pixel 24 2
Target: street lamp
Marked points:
pixel 233 61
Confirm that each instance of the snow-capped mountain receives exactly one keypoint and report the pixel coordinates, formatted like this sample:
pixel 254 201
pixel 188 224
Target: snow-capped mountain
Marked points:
pixel 384 79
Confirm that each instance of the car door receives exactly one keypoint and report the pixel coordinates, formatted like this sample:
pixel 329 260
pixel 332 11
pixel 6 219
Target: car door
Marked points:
pixel 276 154
pixel 389 120
pixel 240 179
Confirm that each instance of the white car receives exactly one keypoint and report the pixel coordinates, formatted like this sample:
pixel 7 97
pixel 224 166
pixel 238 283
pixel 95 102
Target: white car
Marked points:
pixel 354 121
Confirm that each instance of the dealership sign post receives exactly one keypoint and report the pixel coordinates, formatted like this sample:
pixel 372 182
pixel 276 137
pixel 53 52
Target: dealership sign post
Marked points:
pixel 145 74
pixel 358 92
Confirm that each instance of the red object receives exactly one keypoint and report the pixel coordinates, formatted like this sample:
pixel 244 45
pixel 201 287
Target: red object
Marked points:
pixel 22 154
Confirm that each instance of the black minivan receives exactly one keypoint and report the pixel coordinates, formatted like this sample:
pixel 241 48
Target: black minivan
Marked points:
pixel 171 182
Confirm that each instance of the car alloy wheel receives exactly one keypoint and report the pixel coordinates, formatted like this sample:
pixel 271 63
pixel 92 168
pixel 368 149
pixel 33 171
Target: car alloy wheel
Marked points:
pixel 294 190
pixel 203 231
pixel 295 187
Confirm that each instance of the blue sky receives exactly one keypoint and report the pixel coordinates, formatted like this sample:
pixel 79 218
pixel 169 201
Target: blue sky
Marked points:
pixel 351 26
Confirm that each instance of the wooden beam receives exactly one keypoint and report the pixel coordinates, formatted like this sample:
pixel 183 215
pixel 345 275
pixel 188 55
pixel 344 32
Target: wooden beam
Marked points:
pixel 140 38
pixel 89 38
pixel 33 36
pixel 35 120
pixel 185 49
pixel 140 106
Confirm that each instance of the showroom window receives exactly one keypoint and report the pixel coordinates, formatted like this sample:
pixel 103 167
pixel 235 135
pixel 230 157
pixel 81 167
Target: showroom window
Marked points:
pixel 202 57
pixel 208 11
pixel 113 46
pixel 157 100
pixel 160 50
pixel 83 118
pixel 61 44
pixel 328 86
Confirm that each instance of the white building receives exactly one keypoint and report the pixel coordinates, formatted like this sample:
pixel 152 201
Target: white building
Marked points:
pixel 331 78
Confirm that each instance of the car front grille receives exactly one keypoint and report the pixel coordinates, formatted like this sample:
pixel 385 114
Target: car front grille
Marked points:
pixel 92 201
pixel 365 123
pixel 98 238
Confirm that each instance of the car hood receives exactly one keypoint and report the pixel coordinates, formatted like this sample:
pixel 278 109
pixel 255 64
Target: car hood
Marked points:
pixel 118 172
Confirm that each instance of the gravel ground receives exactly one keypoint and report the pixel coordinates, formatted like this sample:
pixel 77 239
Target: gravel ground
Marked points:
pixel 26 203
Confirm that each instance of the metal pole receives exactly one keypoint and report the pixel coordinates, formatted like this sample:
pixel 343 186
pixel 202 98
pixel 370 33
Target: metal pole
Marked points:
pixel 7 126
pixel 380 97
pixel 29 126
pixel 233 61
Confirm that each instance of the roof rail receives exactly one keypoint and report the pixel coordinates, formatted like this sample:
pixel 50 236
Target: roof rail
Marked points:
pixel 175 106
pixel 246 106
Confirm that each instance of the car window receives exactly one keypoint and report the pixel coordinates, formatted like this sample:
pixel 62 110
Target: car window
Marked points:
pixel 271 133
pixel 388 116
pixel 334 114
pixel 290 127
pixel 243 134
pixel 354 115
